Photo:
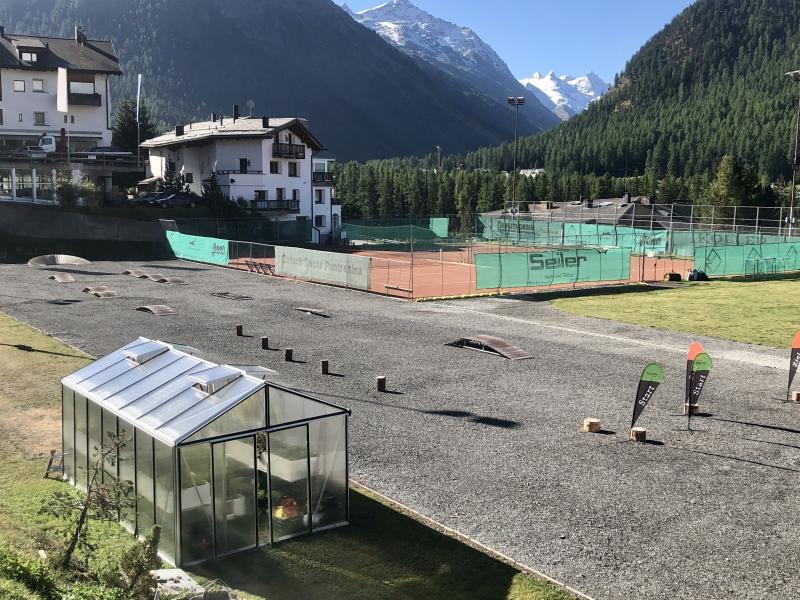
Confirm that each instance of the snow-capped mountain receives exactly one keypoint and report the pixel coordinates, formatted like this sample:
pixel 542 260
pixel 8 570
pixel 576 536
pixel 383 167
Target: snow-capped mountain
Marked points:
pixel 457 51
pixel 565 95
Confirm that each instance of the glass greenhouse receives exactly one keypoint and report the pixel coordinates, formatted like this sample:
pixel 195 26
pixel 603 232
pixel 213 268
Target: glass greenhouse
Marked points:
pixel 221 459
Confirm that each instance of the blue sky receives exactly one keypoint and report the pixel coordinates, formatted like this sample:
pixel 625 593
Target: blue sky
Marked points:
pixel 568 37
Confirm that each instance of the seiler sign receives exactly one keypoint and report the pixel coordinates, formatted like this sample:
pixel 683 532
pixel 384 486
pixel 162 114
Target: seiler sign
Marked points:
pixel 557 260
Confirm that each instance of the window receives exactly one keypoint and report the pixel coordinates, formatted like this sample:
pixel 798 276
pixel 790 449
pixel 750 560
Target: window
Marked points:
pixel 1 116
pixel 261 195
pixel 38 85
pixel 279 194
pixel 319 197
pixel 293 169
pixel 19 85
pixel 39 118
pixel 19 118
pixel 30 56
pixel 274 167
pixel 72 119
pixel 81 83
pixel 296 195
pixel 320 166
pixel 319 220
pixel 65 118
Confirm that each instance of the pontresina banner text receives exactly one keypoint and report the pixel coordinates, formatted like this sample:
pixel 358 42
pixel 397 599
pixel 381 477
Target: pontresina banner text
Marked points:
pixel 325 267
pixel 198 249
pixel 529 269
pixel 651 377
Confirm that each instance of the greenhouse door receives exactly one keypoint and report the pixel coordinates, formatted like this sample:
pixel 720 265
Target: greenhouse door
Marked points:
pixel 234 495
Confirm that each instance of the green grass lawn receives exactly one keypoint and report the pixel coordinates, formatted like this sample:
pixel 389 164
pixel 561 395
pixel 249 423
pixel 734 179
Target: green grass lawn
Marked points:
pixel 382 554
pixel 755 312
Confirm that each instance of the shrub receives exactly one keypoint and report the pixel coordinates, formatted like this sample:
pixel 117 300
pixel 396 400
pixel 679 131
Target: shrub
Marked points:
pixel 13 590
pixel 34 576
pixel 94 591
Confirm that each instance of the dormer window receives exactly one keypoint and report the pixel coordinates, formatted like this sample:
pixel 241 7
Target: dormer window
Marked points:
pixel 29 57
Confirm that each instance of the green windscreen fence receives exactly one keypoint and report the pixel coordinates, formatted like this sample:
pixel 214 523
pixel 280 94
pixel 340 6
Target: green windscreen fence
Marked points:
pixel 523 231
pixel 532 269
pixel 198 249
pixel 748 258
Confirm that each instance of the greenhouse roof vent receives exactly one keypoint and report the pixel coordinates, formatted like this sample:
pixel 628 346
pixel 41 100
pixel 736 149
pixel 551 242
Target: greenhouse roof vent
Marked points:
pixel 141 353
pixel 214 379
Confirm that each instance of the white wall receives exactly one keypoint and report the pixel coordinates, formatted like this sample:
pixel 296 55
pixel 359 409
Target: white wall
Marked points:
pixel 224 155
pixel 91 122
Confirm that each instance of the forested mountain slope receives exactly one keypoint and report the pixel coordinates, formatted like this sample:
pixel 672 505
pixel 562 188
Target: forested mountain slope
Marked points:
pixel 710 83
pixel 364 98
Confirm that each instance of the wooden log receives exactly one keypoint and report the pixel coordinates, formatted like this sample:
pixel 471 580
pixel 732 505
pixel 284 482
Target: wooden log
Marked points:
pixel 591 425
pixel 287 355
pixel 265 343
pixel 693 408
pixel 239 331
pixel 323 366
pixel 381 381
pixel 638 434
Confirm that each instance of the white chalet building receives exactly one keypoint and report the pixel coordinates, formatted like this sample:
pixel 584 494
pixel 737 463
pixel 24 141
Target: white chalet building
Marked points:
pixel 275 165
pixel 29 90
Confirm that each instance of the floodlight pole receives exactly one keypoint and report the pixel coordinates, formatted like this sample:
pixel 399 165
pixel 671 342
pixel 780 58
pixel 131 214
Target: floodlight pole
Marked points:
pixel 794 76
pixel 516 102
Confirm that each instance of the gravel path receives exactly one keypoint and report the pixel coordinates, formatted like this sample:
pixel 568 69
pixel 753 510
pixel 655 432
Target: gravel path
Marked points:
pixel 491 447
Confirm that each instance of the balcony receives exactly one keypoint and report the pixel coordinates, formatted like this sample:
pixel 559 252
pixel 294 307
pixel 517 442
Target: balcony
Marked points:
pixel 284 205
pixel 322 177
pixel 75 99
pixel 281 150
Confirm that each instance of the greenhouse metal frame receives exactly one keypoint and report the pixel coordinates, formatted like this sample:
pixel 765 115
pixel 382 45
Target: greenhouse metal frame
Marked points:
pixel 255 463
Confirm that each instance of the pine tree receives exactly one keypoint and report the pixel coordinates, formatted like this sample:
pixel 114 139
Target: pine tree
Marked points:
pixel 125 135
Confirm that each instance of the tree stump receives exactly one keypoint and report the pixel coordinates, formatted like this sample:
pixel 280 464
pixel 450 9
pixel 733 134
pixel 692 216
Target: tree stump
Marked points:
pixel 323 366
pixel 591 425
pixel 381 383
pixel 638 434
pixel 795 396
pixel 691 408
pixel 239 331
pixel 288 355
pixel 265 343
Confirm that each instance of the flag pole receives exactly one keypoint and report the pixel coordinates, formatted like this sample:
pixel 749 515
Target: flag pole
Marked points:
pixel 138 140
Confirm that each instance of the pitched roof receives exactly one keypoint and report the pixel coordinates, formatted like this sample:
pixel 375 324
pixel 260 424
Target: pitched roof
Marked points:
pixel 243 127
pixel 96 56
pixel 154 386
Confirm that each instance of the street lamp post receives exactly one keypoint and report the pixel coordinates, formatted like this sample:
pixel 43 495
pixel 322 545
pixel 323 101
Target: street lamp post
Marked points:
pixel 516 102
pixel 794 76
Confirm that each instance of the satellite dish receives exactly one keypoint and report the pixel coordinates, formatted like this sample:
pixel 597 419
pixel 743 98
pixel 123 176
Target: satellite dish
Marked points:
pixel 250 104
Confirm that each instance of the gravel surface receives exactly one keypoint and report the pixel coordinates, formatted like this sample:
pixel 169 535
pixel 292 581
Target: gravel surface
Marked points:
pixel 491 447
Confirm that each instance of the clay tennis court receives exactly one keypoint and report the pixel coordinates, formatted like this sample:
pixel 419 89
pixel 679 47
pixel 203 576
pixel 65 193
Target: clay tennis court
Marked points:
pixel 452 271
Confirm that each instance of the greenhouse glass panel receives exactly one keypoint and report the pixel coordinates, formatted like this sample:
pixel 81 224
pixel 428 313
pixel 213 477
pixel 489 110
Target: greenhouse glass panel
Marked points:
pixel 286 407
pixel 109 427
pixel 165 498
pixel 81 444
pixel 262 480
pixel 288 460
pixel 197 525
pixel 144 482
pixel 234 495
pixel 249 414
pixel 68 432
pixel 95 428
pixel 327 447
pixel 127 469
